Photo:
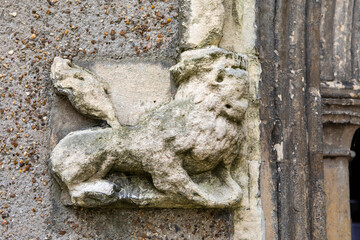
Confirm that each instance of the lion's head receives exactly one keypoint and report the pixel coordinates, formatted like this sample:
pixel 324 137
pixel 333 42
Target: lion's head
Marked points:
pixel 215 78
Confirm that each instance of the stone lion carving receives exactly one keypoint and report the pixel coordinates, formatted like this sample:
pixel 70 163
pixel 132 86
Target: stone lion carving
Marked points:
pixel 184 148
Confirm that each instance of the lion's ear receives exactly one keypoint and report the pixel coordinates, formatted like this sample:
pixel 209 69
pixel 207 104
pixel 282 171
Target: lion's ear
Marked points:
pixel 176 73
pixel 187 67
pixel 181 72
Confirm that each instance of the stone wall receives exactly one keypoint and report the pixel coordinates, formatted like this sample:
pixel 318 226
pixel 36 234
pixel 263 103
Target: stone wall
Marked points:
pixel 32 33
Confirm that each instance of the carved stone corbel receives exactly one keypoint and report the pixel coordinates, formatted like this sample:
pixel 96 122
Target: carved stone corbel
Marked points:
pixel 181 154
pixel 182 151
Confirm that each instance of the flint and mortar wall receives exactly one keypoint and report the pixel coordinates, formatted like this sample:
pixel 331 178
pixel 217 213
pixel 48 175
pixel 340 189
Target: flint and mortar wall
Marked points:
pixel 32 33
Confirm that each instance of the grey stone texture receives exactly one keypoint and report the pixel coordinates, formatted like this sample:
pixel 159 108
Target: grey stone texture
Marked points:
pixel 32 33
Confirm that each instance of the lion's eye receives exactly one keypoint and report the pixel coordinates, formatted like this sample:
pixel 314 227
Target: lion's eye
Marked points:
pixel 220 78
pixel 78 76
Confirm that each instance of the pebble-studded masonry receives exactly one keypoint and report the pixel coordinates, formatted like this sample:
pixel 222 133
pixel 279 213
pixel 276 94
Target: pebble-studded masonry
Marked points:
pixel 32 33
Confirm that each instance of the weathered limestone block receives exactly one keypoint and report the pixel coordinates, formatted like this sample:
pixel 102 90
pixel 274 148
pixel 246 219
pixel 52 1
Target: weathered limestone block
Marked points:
pixel 239 32
pixel 137 86
pixel 179 155
pixel 202 23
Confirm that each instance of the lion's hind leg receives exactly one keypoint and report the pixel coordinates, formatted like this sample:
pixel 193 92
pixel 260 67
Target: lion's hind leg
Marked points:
pixel 82 155
pixel 80 161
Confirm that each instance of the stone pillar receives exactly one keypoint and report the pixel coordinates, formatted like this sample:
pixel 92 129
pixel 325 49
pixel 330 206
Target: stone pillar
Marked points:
pixel 340 110
pixel 336 178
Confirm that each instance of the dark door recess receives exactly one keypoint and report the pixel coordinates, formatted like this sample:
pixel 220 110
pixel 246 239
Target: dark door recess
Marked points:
pixel 354 173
